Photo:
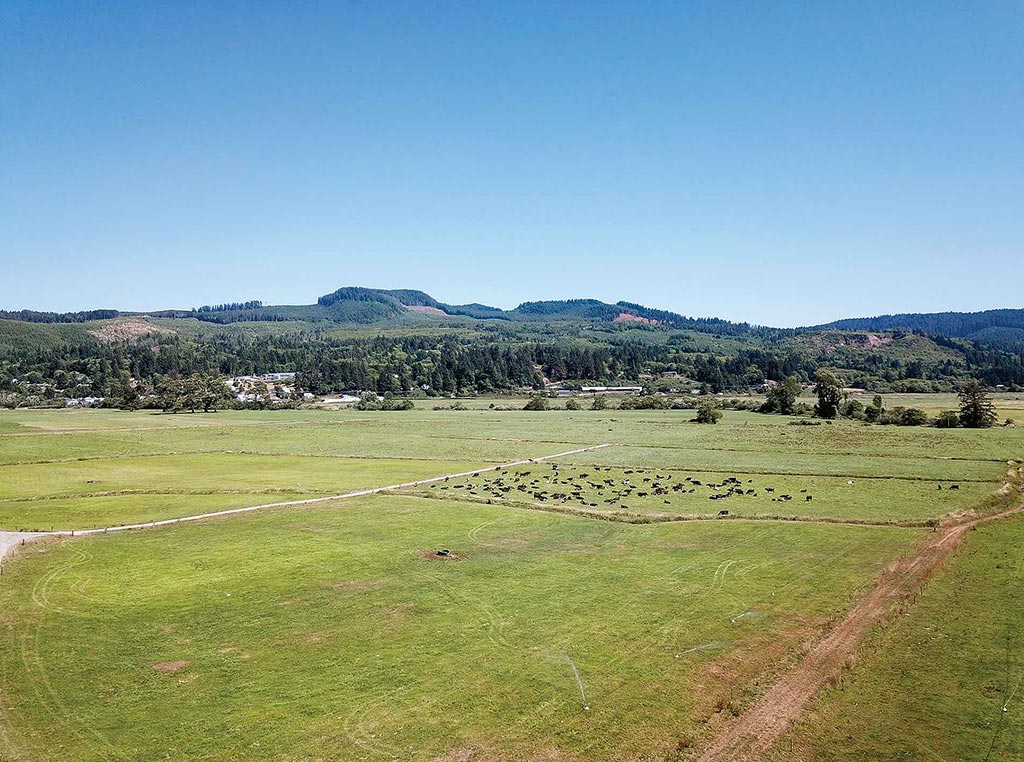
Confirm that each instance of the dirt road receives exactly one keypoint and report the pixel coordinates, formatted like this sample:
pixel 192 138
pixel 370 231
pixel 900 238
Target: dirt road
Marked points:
pixel 10 540
pixel 766 720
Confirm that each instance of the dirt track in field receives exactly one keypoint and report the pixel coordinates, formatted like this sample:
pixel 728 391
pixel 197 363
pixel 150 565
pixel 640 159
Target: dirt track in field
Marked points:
pixel 11 540
pixel 766 719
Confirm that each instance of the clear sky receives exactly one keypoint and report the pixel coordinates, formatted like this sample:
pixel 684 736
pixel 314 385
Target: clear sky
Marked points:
pixel 784 163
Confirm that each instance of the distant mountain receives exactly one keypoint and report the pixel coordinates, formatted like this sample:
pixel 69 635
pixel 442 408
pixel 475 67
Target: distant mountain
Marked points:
pixel 1001 328
pixel 405 341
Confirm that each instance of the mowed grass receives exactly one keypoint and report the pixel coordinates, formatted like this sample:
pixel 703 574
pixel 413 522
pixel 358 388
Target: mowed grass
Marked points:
pixel 767 462
pixel 74 457
pixel 112 510
pixel 329 631
pixel 326 633
pixel 44 495
pixel 497 436
pixel 946 681
pixel 651 493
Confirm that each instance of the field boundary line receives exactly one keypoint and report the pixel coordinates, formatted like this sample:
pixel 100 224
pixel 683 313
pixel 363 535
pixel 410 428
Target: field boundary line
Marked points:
pixel 765 720
pixel 843 453
pixel 636 519
pixel 810 474
pixel 9 540
pixel 212 451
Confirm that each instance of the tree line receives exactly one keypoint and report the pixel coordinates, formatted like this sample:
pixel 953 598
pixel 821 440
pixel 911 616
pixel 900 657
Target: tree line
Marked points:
pixel 460 364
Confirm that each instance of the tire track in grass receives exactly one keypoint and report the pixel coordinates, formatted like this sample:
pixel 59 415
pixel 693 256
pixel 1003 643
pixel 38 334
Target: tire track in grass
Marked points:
pixel 357 727
pixel 355 724
pixel 631 607
pixel 766 719
pixel 655 639
pixel 35 663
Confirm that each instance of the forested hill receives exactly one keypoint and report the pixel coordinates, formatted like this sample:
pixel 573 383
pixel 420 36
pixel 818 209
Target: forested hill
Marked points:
pixel 1002 328
pixel 365 306
pixel 407 342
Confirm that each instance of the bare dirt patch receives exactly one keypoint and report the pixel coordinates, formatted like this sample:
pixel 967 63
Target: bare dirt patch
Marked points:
pixel 314 637
pixel 424 309
pixel 626 317
pixel 433 555
pixel 832 342
pixel 170 666
pixel 127 329
pixel 768 717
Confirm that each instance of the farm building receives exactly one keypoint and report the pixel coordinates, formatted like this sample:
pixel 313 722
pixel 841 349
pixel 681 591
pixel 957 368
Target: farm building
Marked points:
pixel 612 389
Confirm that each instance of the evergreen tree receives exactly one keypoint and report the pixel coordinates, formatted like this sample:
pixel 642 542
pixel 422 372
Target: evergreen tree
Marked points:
pixel 875 410
pixel 976 409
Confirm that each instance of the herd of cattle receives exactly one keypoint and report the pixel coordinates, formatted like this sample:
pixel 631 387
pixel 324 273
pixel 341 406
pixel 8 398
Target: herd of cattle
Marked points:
pixel 597 486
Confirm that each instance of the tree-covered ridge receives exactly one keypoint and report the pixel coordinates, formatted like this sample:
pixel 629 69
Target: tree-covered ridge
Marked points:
pixel 1003 327
pixel 70 361
pixel 253 304
pixel 370 339
pixel 32 316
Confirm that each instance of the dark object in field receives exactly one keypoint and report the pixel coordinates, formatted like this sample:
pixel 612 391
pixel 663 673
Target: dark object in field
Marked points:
pixel 954 486
pixel 723 513
pixel 938 486
pixel 443 552
pixel 769 489
pixel 809 498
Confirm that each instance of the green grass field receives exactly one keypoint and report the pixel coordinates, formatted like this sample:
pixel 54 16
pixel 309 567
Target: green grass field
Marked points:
pixel 333 631
pixel 702 494
pixel 934 684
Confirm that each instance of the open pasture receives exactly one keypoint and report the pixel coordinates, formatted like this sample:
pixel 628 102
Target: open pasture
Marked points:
pixel 326 633
pixel 334 631
pixel 639 494
pixel 84 469
pixel 41 496
pixel 943 682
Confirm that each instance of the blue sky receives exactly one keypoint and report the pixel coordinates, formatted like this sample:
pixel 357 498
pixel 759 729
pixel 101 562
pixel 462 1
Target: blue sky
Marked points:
pixel 782 163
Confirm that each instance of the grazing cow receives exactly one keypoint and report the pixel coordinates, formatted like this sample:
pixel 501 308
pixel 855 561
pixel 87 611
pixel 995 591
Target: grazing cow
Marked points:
pixel 809 498
pixel 954 486
pixel 723 513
